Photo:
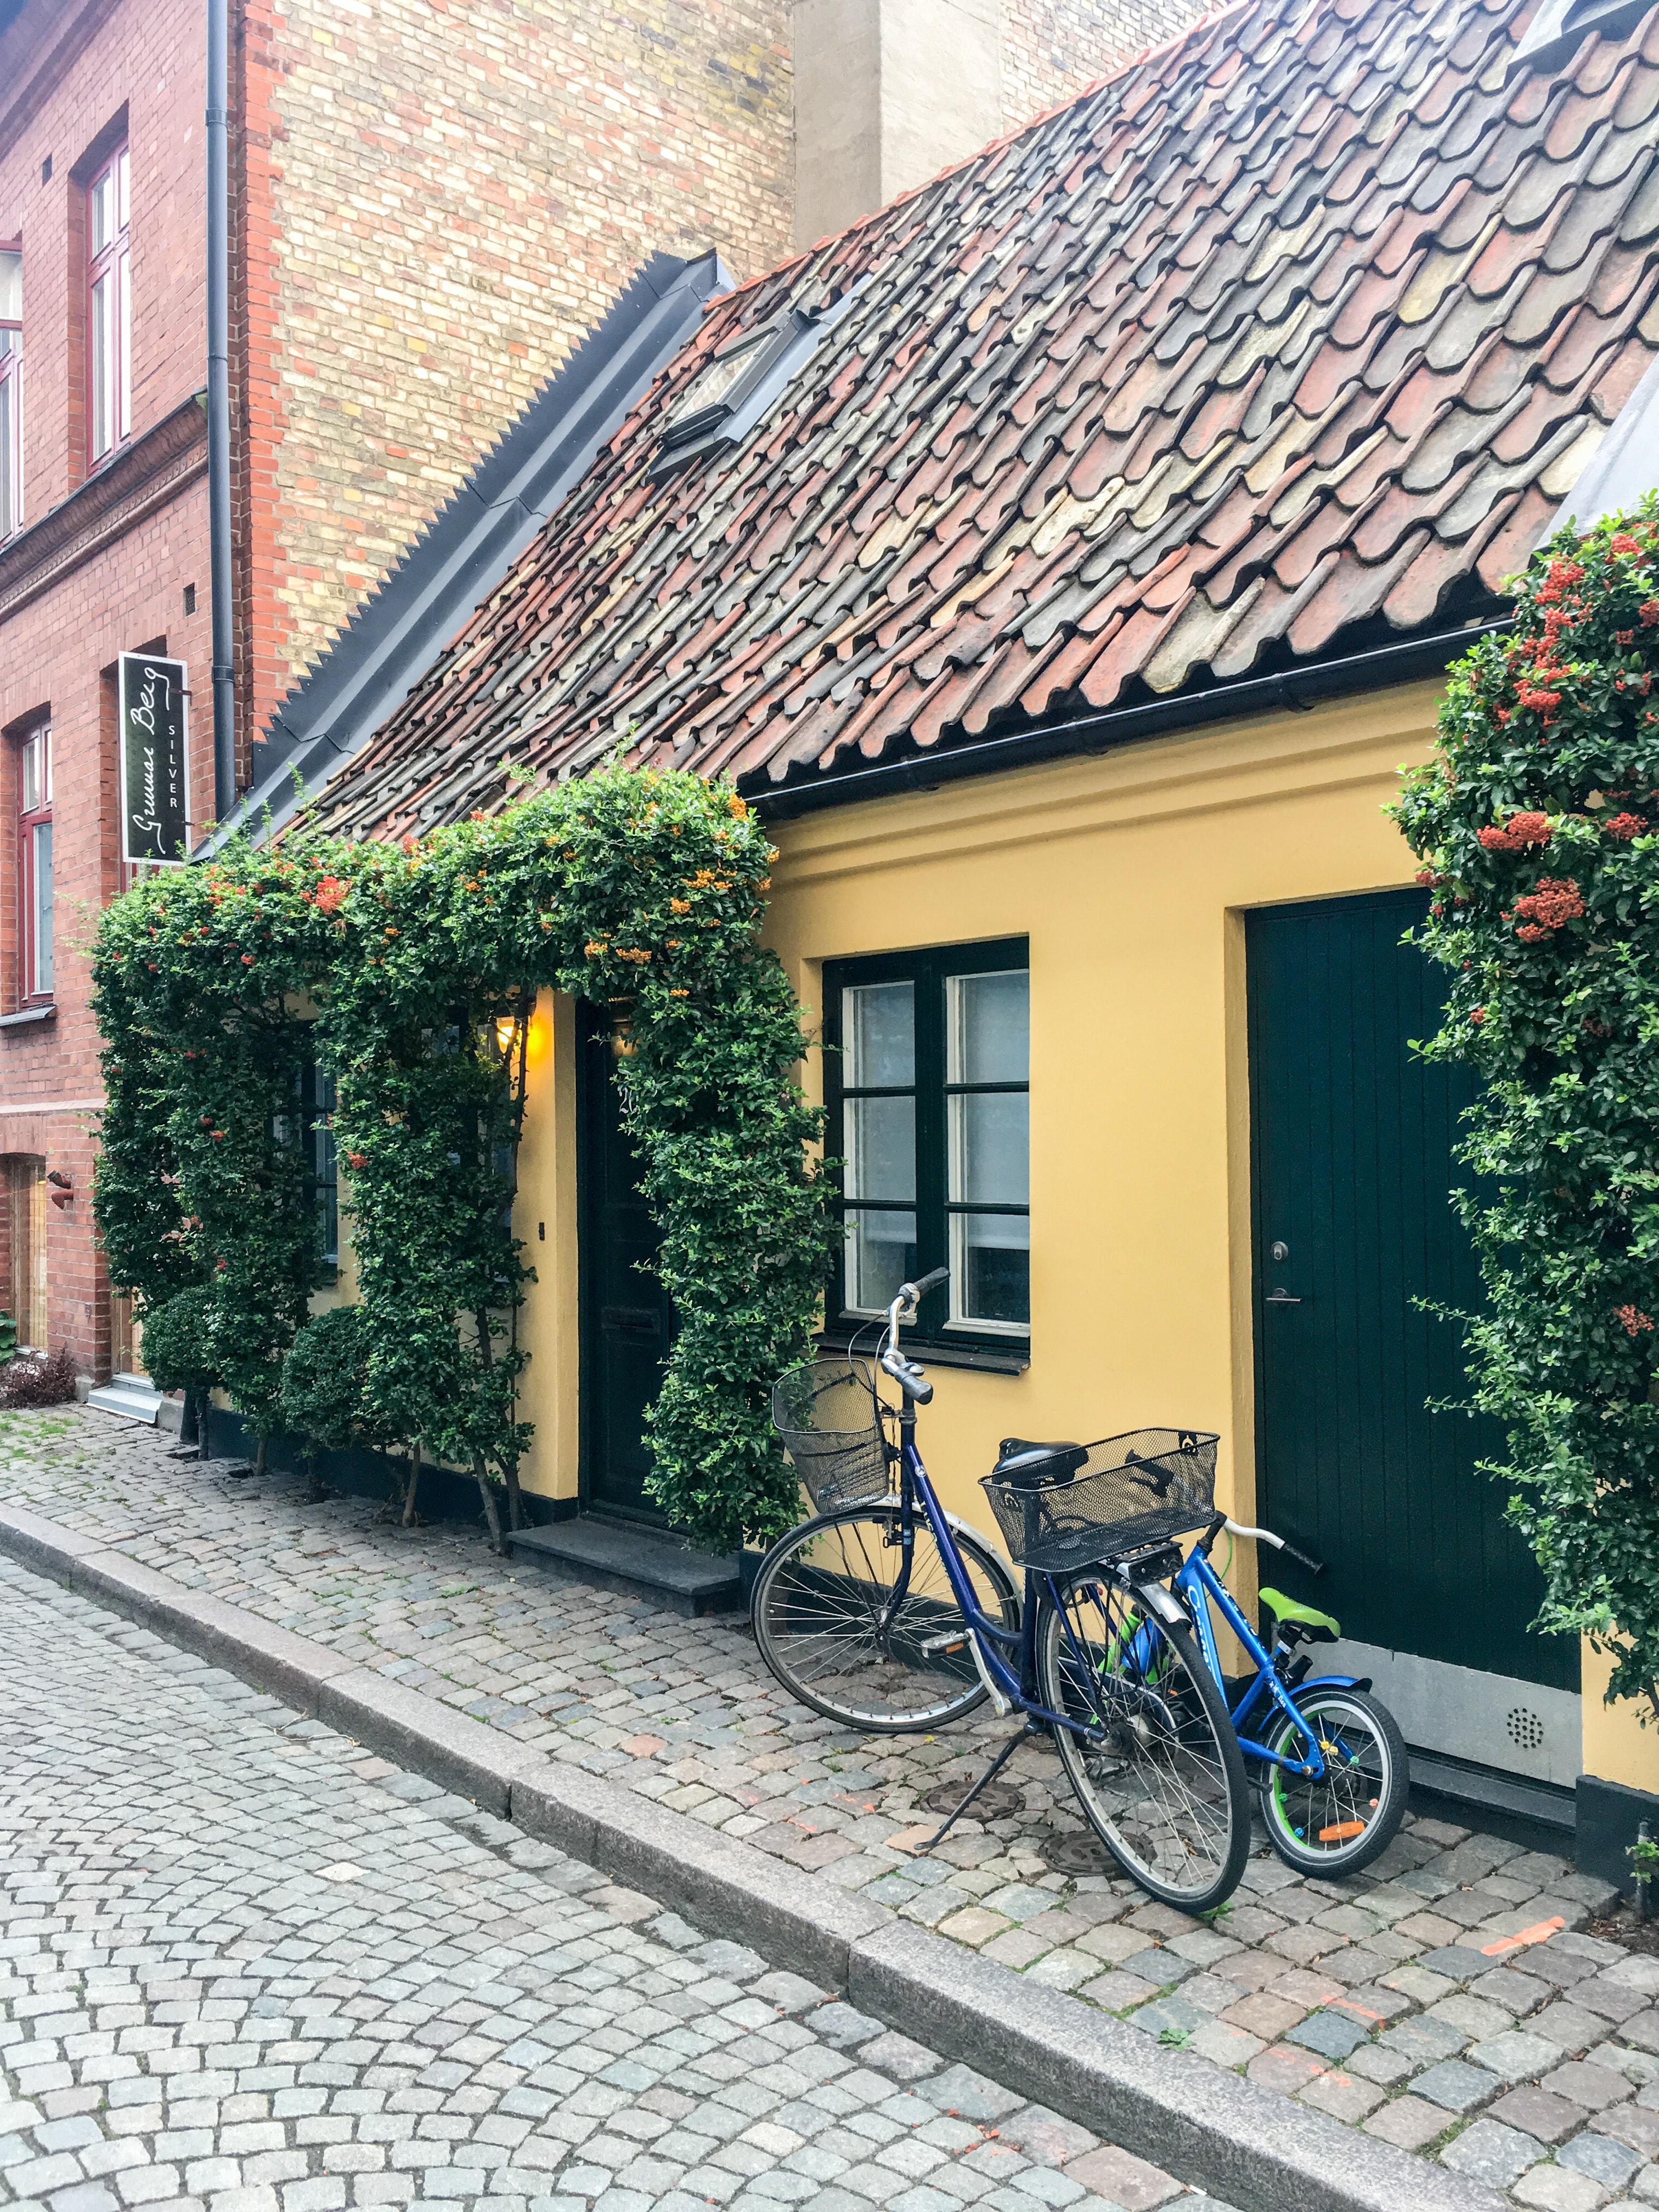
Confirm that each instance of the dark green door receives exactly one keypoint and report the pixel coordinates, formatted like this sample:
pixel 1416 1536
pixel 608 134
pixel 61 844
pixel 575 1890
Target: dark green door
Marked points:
pixel 1351 1163
pixel 626 1318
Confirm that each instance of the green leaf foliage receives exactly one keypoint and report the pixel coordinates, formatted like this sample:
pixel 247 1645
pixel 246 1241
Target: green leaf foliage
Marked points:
pixel 1538 823
pixel 323 1380
pixel 410 970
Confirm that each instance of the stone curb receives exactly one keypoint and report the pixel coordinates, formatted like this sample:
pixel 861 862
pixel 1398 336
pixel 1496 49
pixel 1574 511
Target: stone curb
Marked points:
pixel 1262 2152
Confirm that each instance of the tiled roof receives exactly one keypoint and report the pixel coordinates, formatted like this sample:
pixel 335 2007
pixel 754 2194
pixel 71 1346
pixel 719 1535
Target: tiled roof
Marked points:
pixel 1286 340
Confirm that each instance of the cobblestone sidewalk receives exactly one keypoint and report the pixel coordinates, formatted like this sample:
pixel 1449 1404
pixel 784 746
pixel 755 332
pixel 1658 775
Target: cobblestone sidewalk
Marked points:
pixel 236 1975
pixel 1399 2001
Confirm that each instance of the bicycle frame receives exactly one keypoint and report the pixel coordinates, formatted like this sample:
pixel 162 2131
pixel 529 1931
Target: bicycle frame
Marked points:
pixel 1198 1581
pixel 993 1643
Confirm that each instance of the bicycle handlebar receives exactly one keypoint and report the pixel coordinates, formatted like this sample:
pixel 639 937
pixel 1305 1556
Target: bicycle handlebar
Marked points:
pixel 1266 1537
pixel 911 1292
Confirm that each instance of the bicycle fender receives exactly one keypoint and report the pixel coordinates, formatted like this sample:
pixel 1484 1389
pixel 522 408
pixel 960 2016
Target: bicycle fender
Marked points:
pixel 1154 1598
pixel 1331 1682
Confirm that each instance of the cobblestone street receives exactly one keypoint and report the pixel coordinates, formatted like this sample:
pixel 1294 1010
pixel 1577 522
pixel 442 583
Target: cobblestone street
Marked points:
pixel 1430 2001
pixel 234 1973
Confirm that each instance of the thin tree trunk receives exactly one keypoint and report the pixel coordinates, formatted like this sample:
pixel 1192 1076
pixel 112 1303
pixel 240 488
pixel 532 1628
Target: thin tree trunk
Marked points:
pixel 414 1477
pixel 259 1458
pixel 514 1498
pixel 486 1491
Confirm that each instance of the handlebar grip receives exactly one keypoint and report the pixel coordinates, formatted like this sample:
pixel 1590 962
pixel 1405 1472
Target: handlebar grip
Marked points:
pixel 1313 1566
pixel 930 1282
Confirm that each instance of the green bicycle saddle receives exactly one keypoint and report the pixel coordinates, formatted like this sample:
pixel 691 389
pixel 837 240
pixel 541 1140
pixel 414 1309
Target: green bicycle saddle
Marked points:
pixel 1318 1628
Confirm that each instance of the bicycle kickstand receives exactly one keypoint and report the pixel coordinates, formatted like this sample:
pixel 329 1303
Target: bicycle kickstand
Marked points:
pixel 989 1775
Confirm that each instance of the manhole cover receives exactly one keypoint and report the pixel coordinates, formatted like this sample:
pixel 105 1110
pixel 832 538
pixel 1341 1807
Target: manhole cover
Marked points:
pixel 1076 1852
pixel 994 1802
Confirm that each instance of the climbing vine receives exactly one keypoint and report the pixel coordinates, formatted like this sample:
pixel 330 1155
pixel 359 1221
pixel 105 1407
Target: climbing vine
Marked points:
pixel 1538 824
pixel 408 972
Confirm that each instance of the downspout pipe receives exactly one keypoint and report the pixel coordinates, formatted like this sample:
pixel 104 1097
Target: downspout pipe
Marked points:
pixel 218 407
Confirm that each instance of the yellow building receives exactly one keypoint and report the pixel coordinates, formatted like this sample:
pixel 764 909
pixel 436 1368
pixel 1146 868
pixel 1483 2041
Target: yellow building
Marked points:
pixel 1066 560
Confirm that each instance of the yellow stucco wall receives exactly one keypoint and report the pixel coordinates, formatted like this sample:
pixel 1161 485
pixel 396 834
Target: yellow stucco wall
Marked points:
pixel 1130 874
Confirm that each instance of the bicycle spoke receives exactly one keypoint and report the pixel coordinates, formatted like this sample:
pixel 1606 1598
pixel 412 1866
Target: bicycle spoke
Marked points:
pixel 1159 1787
pixel 833 1627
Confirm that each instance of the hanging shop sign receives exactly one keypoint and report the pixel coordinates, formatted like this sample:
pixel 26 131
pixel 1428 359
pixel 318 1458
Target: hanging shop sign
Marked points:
pixel 154 713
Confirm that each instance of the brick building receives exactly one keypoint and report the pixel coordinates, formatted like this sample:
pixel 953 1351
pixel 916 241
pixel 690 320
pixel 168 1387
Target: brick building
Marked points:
pixel 427 209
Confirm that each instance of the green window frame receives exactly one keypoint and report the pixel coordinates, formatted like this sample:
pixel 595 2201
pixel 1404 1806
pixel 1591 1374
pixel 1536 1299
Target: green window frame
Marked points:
pixel 928 1088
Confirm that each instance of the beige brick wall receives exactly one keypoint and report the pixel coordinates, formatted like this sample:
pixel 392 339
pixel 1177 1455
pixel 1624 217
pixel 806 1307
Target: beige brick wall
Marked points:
pixel 1052 48
pixel 441 195
pixel 456 192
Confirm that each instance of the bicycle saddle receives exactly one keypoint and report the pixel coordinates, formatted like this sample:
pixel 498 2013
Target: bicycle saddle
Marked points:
pixel 1029 1466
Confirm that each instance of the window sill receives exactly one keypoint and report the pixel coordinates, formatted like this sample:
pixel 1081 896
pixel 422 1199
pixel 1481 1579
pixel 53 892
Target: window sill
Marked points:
pixel 29 1015
pixel 1010 1362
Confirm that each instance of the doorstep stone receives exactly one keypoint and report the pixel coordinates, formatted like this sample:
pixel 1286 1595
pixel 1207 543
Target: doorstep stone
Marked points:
pixel 646 1562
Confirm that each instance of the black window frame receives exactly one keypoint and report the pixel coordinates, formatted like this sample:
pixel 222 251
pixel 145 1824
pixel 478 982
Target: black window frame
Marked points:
pixel 926 968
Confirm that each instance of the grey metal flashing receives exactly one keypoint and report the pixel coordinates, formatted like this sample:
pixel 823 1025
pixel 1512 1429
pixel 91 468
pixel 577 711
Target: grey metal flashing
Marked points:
pixel 473 539
pixel 1623 466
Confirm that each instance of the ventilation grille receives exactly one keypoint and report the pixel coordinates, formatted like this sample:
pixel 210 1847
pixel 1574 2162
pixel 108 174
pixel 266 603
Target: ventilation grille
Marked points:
pixel 1525 1730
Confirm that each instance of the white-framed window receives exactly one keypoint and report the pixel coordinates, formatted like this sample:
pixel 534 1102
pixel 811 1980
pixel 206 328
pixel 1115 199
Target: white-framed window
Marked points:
pixel 109 307
pixel 35 865
pixel 11 390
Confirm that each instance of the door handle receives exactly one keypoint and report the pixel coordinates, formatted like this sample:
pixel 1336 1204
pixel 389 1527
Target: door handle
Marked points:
pixel 1280 1299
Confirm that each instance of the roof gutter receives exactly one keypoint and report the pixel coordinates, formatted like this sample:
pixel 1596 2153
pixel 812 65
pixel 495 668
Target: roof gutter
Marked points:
pixel 1300 690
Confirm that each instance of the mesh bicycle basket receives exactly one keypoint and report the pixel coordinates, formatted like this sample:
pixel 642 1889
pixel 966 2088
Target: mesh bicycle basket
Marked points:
pixel 826 1413
pixel 1102 1500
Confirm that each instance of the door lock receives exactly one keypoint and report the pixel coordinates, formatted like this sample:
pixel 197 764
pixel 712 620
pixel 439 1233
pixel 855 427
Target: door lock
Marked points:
pixel 1279 1253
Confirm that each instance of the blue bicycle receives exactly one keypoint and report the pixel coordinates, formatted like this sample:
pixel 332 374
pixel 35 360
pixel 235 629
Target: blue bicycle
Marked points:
pixel 885 1613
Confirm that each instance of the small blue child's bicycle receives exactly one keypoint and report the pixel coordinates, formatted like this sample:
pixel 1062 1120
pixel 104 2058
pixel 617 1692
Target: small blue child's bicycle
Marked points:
pixel 886 1613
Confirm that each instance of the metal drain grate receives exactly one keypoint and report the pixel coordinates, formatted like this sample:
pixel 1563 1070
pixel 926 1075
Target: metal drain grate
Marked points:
pixel 1077 1852
pixel 996 1801
pixel 1524 1727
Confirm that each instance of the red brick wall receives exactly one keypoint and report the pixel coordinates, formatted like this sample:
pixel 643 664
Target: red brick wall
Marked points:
pixel 67 71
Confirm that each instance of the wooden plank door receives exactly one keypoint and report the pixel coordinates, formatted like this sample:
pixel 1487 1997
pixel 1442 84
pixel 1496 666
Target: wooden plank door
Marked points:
pixel 1352 1165
pixel 627 1320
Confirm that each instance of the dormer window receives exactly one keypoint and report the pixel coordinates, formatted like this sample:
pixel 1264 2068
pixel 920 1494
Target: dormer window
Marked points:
pixel 1561 27
pixel 721 391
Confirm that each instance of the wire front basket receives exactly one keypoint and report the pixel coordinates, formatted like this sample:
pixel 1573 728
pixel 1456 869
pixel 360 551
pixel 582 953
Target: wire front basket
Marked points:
pixel 825 1411
pixel 1098 1502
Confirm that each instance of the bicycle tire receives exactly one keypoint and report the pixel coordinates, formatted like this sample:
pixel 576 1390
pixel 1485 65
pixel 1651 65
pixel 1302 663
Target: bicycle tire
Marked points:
pixel 816 1607
pixel 1166 1793
pixel 1372 1795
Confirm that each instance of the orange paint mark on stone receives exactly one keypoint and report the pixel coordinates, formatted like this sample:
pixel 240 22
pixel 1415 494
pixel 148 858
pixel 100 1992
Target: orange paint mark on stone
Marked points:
pixel 1539 1932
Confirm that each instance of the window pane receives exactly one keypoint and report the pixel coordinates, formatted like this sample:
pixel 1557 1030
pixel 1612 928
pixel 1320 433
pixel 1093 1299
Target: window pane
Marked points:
pixel 990 1027
pixel 991 1270
pixel 7 522
pixel 121 177
pixel 991 1149
pixel 881 1253
pixel 879 1026
pixel 99 203
pixel 11 288
pixel 30 780
pixel 881 1148
pixel 42 857
pixel 101 334
pixel 122 407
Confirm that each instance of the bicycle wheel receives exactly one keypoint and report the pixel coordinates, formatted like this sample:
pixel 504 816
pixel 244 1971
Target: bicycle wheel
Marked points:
pixel 828 1626
pixel 1165 1790
pixel 1342 1819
